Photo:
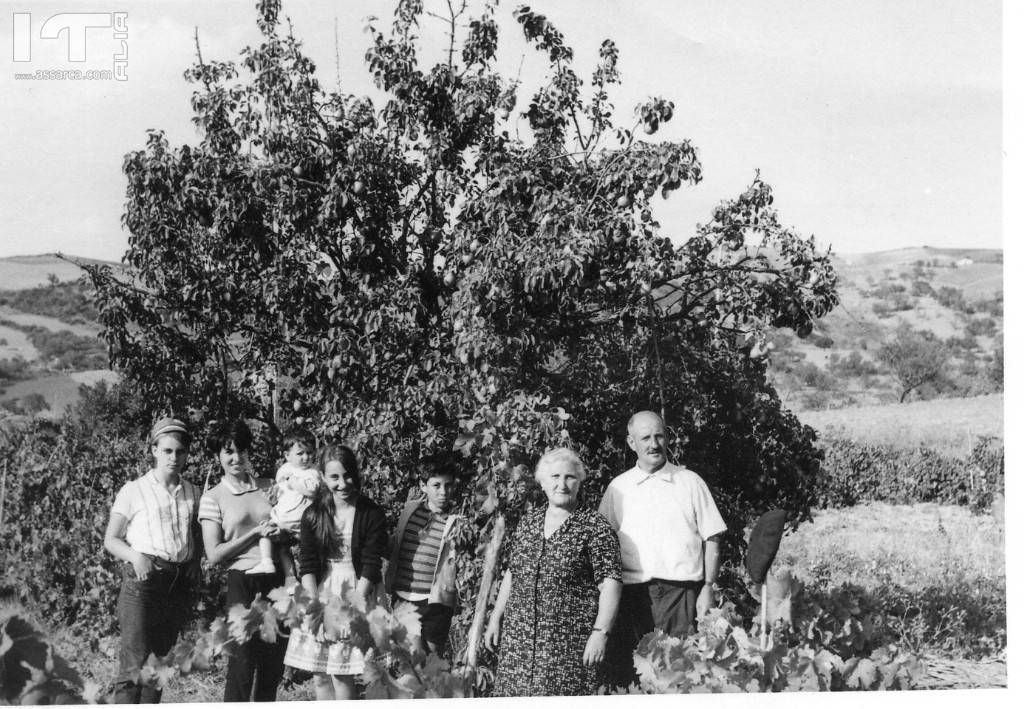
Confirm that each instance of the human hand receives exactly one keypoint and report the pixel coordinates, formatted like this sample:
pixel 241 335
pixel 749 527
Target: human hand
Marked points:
pixel 492 635
pixel 143 566
pixel 705 599
pixel 593 653
pixel 268 529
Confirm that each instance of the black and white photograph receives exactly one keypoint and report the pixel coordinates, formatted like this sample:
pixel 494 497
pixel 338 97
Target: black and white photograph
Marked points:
pixel 470 349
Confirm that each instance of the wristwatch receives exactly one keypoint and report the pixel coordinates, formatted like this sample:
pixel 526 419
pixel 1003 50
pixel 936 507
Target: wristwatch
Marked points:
pixel 599 630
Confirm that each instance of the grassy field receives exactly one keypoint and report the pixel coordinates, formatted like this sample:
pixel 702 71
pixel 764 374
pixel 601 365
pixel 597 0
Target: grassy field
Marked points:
pixel 51 324
pixel 59 390
pixel 18 345
pixel 947 425
pixel 936 571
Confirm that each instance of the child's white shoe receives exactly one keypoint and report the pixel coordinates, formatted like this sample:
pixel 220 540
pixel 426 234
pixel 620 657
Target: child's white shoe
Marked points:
pixel 266 566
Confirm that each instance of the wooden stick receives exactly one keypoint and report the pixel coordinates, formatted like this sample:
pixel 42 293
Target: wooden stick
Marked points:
pixel 476 629
pixel 3 494
pixel 764 614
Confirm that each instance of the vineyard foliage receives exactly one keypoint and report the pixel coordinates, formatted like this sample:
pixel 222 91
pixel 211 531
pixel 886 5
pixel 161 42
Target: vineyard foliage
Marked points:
pixel 854 472
pixel 830 648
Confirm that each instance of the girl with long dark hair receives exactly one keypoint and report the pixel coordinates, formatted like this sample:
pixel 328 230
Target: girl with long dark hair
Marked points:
pixel 342 540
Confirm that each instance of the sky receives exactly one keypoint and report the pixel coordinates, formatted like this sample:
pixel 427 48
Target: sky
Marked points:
pixel 878 123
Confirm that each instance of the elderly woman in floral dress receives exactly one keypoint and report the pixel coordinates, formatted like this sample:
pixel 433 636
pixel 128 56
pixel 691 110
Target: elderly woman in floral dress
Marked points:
pixel 559 596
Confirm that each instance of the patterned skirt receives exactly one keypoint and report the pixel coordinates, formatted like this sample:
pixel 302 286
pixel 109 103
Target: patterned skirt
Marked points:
pixel 339 657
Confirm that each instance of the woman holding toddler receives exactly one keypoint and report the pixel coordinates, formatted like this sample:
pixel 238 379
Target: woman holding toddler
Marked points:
pixel 235 516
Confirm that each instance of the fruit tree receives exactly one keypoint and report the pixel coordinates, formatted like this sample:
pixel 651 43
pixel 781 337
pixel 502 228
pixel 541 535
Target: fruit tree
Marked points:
pixel 467 265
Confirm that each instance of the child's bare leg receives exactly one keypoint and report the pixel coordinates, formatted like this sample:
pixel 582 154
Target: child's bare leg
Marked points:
pixel 266 563
pixel 323 686
pixel 287 564
pixel 344 686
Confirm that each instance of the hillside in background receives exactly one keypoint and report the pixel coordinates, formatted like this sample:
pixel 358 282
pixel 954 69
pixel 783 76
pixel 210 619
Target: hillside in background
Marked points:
pixel 21 272
pixel 948 299
pixel 49 335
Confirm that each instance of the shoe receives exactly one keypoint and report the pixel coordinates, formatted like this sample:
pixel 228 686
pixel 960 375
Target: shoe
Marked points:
pixel 266 566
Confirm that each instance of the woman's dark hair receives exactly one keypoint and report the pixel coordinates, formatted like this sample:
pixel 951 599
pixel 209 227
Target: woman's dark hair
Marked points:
pixel 224 432
pixel 322 509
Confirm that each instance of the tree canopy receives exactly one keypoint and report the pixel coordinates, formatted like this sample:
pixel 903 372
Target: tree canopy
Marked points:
pixel 417 278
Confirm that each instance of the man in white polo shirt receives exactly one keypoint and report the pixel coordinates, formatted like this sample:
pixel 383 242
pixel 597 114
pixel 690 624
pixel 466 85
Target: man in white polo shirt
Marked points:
pixel 668 528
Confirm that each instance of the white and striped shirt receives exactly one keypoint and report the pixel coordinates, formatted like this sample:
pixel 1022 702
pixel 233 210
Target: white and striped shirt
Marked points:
pixel 160 519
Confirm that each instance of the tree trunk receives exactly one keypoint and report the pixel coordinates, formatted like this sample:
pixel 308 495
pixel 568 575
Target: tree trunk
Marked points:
pixel 476 629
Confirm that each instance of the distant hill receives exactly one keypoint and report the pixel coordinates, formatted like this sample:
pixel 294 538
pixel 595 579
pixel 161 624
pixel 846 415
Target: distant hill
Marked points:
pixel 20 272
pixel 953 294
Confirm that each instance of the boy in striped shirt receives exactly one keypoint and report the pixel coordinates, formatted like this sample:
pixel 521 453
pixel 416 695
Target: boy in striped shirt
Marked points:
pixel 422 565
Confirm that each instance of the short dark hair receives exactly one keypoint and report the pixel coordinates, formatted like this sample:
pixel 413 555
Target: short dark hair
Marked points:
pixel 224 432
pixel 435 465
pixel 298 434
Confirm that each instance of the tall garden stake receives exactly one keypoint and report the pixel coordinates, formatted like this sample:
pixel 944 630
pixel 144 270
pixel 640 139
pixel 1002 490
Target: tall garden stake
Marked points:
pixel 761 550
pixel 476 629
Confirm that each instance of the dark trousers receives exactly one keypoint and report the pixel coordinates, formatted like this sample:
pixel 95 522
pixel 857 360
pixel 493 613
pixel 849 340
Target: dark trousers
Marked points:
pixel 151 613
pixel 435 622
pixel 254 668
pixel 668 605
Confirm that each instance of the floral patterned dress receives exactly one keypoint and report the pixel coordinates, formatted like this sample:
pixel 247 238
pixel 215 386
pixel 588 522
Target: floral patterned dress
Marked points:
pixel 553 604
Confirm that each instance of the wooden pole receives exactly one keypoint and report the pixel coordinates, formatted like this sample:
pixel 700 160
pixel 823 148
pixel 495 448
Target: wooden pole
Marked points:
pixel 764 614
pixel 3 494
pixel 476 629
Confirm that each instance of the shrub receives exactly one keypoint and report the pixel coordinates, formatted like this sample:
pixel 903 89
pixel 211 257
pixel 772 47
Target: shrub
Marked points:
pixel 953 298
pixel 854 472
pixel 921 288
pixel 12 370
pixel 852 365
pixel 69 302
pixel 981 327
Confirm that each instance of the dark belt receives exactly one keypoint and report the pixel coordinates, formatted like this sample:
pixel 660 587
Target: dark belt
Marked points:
pixel 165 565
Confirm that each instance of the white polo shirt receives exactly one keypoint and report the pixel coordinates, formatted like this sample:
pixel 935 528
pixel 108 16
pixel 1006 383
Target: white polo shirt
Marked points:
pixel 159 519
pixel 662 519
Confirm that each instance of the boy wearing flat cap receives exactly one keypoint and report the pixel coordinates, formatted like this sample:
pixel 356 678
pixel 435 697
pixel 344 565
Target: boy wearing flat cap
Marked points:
pixel 154 530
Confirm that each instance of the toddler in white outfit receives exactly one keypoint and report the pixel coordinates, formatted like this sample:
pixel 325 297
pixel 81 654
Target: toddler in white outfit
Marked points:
pixel 297 481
